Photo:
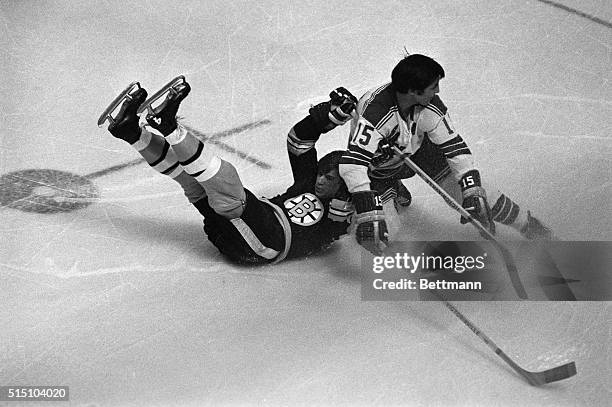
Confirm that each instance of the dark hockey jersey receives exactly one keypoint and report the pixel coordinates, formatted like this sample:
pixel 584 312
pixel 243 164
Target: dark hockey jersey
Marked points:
pixel 314 223
pixel 294 224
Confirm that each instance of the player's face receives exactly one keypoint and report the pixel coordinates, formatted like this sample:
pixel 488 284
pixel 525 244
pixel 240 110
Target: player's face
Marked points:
pixel 327 184
pixel 406 101
pixel 424 98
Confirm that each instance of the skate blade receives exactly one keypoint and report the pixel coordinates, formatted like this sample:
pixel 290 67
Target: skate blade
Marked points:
pixel 160 94
pixel 125 95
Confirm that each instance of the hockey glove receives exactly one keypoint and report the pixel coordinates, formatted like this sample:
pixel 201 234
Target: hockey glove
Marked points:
pixel 371 230
pixel 334 112
pixel 475 200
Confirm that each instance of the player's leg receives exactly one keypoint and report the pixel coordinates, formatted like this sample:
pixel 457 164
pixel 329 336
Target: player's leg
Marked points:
pixel 152 147
pixel 163 159
pixel 219 178
pixel 508 212
pixel 503 209
pixel 404 197
pixel 240 225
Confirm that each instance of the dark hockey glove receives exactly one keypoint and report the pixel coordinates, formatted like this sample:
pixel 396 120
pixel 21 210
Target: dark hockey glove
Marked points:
pixel 335 112
pixel 371 230
pixel 475 200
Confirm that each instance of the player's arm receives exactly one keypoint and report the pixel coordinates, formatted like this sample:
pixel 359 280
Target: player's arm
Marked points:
pixel 440 130
pixel 371 231
pixel 362 144
pixel 303 136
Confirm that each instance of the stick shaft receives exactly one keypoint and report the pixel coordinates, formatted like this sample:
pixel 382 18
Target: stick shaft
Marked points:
pixel 534 378
pixel 483 336
pixel 508 260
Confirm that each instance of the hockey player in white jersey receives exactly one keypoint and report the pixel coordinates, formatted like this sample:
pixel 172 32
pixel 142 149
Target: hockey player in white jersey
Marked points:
pixel 407 113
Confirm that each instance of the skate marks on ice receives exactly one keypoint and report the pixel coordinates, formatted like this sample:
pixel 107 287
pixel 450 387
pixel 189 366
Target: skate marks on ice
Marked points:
pixel 46 191
pixel 53 191
pixel 579 13
pixel 214 139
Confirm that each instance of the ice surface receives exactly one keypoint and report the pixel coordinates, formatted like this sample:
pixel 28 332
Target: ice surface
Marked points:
pixel 125 302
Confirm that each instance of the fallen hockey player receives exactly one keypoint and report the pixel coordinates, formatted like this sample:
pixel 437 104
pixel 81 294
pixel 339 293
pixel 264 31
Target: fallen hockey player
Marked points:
pixel 308 217
pixel 408 114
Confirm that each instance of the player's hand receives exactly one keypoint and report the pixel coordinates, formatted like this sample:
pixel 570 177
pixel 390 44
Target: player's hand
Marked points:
pixel 371 232
pixel 336 111
pixel 343 103
pixel 475 200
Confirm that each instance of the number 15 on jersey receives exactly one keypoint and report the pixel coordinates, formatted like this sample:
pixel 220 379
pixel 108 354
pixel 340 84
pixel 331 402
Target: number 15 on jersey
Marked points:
pixel 362 134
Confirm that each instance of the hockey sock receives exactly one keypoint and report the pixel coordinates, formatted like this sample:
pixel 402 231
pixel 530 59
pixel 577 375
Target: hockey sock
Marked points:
pixel 161 157
pixel 157 152
pixel 192 156
pixel 508 212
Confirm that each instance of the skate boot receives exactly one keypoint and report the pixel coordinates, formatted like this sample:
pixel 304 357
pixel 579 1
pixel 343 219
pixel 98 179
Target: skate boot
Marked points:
pixel 403 198
pixel 124 125
pixel 535 230
pixel 163 116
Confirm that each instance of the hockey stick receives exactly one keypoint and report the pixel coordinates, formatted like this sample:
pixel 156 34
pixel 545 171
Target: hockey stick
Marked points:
pixel 534 378
pixel 508 260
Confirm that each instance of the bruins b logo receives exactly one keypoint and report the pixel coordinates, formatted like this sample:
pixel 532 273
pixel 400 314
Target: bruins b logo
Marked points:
pixel 305 209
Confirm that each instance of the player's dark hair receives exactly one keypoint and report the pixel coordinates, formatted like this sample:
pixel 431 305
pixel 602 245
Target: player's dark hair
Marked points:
pixel 330 162
pixel 415 72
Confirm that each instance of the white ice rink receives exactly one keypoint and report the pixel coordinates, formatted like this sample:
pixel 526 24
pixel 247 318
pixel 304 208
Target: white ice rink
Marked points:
pixel 126 302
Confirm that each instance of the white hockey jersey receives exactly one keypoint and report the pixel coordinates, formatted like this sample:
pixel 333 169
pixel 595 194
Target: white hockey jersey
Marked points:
pixel 379 120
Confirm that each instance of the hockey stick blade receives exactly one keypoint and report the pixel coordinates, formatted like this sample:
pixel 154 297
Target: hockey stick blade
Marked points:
pixel 551 375
pixel 148 104
pixel 106 114
pixel 507 256
pixel 534 378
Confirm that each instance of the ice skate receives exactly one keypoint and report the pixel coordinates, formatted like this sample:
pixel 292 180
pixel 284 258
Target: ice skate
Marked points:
pixel 403 198
pixel 128 94
pixel 535 230
pixel 162 116
pixel 125 124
